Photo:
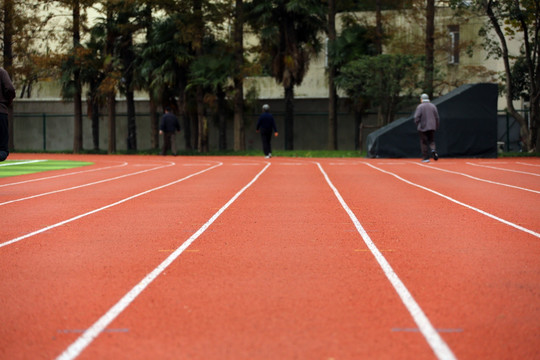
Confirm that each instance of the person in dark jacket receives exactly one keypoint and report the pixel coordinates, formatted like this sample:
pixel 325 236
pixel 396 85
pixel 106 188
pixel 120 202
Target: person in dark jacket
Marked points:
pixel 168 127
pixel 266 125
pixel 7 94
pixel 426 118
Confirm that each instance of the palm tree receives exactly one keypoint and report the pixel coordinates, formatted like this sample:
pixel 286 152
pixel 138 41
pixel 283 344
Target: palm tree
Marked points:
pixel 164 64
pixel 288 32
pixel 92 74
pixel 212 71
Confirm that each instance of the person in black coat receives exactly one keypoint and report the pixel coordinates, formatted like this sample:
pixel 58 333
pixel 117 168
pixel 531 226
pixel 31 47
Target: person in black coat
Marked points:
pixel 168 127
pixel 266 125
pixel 7 94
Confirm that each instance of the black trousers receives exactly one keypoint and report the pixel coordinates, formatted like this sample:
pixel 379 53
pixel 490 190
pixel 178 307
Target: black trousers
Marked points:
pixel 4 137
pixel 427 142
pixel 169 143
pixel 266 137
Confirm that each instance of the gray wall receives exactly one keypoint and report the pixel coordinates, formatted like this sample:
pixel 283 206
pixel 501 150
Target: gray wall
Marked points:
pixel 311 123
pixel 48 125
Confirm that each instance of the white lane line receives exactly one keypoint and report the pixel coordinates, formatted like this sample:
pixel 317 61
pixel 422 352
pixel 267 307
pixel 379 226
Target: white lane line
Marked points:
pixel 21 162
pixel 437 344
pixel 88 184
pixel 12 241
pixel 503 169
pixel 62 175
pixel 479 179
pixel 100 325
pixel 522 163
pixel 459 202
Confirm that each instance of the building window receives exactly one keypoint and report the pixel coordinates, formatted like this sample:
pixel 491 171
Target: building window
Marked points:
pixel 453 56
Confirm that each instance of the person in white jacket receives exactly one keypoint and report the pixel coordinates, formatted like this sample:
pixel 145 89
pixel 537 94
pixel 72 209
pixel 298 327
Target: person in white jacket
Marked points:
pixel 426 119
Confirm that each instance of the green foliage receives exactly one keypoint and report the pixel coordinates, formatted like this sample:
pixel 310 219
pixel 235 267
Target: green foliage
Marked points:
pixel 370 5
pixel 166 57
pixel 288 32
pixel 385 80
pixel 520 79
pixel 215 67
pixel 353 42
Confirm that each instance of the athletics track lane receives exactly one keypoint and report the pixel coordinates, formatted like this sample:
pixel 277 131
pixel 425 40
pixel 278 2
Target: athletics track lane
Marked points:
pixel 58 282
pixel 373 321
pixel 279 277
pixel 476 278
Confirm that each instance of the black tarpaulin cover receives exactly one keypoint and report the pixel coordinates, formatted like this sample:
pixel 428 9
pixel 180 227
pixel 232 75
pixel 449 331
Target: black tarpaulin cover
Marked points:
pixel 468 127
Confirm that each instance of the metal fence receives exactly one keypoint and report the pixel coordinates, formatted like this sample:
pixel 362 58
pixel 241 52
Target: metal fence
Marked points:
pixel 54 132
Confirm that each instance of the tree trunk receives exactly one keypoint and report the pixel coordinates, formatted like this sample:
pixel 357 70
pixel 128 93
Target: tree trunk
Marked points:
pixel 92 103
pixel 378 28
pixel 332 93
pixel 154 123
pixel 532 55
pixel 239 128
pixel 111 114
pixel 77 102
pixel 358 134
pixel 430 46
pixel 289 117
pixel 222 120
pixel 524 129
pixel 95 125
pixel 132 124
pixel 8 60
pixel 183 112
pixel 154 120
pixel 202 121
pixel 111 94
pixel 535 122
pixel 202 144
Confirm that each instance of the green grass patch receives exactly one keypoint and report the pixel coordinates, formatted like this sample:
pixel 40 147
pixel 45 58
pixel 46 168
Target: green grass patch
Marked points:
pixel 519 154
pixel 20 167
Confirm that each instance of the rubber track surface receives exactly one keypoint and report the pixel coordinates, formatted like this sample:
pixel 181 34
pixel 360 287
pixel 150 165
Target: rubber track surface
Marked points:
pixel 266 262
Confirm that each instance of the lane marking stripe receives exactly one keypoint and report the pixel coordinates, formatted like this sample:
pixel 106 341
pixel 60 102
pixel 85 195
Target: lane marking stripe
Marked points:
pixel 459 202
pixel 61 175
pixel 21 162
pixel 417 330
pixel 522 163
pixel 503 169
pixel 479 179
pixel 437 344
pixel 12 241
pixel 85 185
pixel 99 326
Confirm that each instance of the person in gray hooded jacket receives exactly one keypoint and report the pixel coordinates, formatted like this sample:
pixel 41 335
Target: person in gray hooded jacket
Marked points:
pixel 426 118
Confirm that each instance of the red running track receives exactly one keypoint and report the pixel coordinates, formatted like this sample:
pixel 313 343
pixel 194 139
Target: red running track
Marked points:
pixel 139 257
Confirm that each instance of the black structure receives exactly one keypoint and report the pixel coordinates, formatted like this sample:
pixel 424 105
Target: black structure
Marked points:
pixel 468 127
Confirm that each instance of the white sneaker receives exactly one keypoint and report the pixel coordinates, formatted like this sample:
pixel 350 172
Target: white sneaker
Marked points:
pixel 425 160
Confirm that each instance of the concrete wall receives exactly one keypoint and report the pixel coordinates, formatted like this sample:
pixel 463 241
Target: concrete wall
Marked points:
pixel 310 130
pixel 30 117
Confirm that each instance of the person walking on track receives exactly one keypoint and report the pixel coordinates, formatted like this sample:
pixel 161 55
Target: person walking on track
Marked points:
pixel 426 118
pixel 168 127
pixel 266 125
pixel 7 94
